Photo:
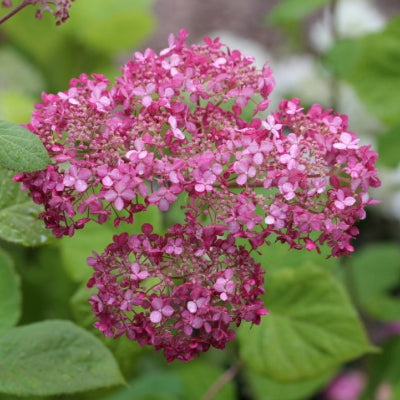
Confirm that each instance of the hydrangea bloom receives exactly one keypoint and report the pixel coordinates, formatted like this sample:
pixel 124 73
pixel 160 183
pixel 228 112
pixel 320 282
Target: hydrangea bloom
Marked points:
pixel 170 127
pixel 180 292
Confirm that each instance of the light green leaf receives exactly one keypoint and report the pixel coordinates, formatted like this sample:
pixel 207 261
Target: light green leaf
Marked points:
pixel 18 214
pixel 376 271
pixel 111 26
pixel 20 149
pixel 94 237
pixel 263 388
pixel 54 357
pixel 311 329
pixel 10 293
pixel 293 10
pixel 276 256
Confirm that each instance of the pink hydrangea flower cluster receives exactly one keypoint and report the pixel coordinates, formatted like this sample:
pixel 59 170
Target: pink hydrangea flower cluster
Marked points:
pixel 173 127
pixel 180 292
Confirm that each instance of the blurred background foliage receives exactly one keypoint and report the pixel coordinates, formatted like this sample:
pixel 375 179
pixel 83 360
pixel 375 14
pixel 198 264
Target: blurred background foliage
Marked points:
pixel 343 54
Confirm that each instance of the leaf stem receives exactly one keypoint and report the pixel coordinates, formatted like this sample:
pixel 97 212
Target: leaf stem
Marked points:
pixel 15 11
pixel 226 377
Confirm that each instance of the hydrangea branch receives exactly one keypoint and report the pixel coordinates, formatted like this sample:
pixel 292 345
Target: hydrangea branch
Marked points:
pixel 59 9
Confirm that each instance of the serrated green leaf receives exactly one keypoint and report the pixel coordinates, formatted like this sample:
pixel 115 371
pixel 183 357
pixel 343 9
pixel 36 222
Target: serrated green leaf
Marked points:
pixel 293 10
pixel 376 275
pixel 388 147
pixel 111 26
pixel 94 237
pixel 10 293
pixel 18 214
pixel 312 327
pixel 54 357
pixel 20 149
pixel 263 388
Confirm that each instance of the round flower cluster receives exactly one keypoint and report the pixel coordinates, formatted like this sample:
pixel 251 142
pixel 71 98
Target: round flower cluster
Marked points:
pixel 173 127
pixel 179 292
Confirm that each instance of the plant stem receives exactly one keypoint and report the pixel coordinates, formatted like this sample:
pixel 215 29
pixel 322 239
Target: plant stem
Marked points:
pixel 15 11
pixel 226 377
pixel 335 35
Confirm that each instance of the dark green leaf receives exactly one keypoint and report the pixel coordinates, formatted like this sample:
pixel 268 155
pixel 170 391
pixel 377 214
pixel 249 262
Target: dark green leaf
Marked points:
pixel 20 149
pixel 54 357
pixel 376 272
pixel 10 294
pixel 311 329
pixel 18 214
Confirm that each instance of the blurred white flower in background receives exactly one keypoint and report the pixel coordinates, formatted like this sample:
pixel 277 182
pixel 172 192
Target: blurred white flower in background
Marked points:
pixel 353 18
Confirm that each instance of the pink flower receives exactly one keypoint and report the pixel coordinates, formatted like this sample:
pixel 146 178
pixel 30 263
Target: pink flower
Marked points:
pixel 347 141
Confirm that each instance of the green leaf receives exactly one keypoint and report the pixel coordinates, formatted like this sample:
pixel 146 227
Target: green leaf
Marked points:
pixel 198 377
pixel 370 64
pixel 20 149
pixel 18 214
pixel 10 293
pixel 111 26
pixel 376 271
pixel 16 106
pixel 94 237
pixel 276 256
pixel 384 367
pixel 54 357
pixel 311 329
pixel 153 385
pixel 388 147
pixel 263 388
pixel 293 10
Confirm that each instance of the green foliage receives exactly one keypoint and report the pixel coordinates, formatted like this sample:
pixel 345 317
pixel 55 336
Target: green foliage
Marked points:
pixel 10 293
pixel 288 11
pixel 388 147
pixel 154 385
pixel 384 367
pixel 276 256
pixel 18 214
pixel 370 64
pixel 263 388
pixel 54 357
pixel 198 376
pixel 20 149
pixel 106 25
pixel 94 237
pixel 376 272
pixel 312 327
